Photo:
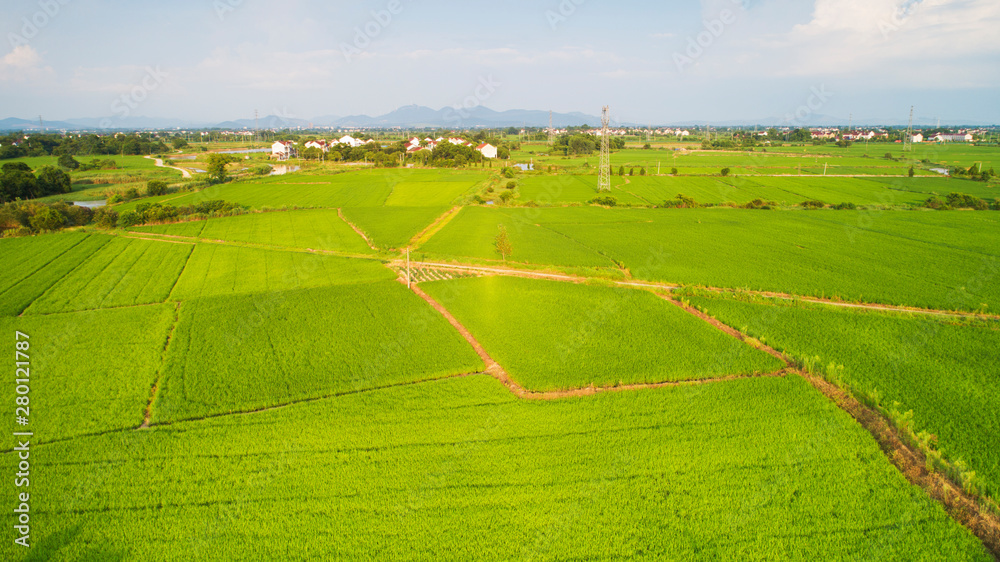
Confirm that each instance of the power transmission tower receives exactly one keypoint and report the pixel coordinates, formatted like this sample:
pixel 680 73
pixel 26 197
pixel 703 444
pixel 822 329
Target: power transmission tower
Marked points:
pixel 604 172
pixel 256 126
pixel 41 124
pixel 908 141
pixel 552 131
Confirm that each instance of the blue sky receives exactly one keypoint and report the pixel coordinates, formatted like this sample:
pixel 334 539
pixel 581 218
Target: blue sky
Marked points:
pixel 656 62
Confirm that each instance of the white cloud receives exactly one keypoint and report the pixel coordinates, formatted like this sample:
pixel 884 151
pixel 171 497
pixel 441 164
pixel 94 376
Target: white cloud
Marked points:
pixel 24 64
pixel 892 42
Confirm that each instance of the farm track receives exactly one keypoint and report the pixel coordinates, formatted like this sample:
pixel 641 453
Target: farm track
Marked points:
pixel 962 507
pixel 147 414
pixel 340 213
pixel 185 174
pixel 911 462
pixel 439 223
pixel 730 330
pixel 496 371
pixel 669 287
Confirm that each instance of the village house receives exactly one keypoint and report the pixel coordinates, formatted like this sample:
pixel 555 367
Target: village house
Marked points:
pixel 283 150
pixel 487 150
pixel 320 144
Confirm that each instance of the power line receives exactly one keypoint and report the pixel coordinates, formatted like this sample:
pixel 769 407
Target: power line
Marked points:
pixel 604 172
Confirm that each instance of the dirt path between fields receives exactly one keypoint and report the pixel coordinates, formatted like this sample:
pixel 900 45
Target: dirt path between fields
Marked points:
pixel 498 270
pixel 962 507
pixel 340 213
pixel 147 414
pixel 496 371
pixel 731 331
pixel 433 228
pixel 159 162
pixel 912 463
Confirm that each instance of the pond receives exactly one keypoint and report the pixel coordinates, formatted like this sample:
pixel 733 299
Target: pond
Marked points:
pixel 90 204
pixel 281 170
pixel 245 151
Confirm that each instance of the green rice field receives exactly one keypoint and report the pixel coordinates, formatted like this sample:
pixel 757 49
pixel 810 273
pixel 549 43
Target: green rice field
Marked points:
pixel 266 386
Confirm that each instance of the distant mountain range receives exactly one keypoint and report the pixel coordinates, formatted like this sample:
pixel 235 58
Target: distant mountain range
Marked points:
pixel 415 117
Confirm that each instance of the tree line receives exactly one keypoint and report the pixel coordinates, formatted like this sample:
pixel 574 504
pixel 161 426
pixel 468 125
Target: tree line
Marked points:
pixel 19 145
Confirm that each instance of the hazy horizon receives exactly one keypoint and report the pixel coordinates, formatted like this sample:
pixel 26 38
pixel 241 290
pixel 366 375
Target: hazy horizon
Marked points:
pixel 718 60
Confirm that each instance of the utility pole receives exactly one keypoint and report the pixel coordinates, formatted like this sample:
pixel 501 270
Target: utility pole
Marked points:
pixel 604 172
pixel 908 141
pixel 408 277
pixel 552 131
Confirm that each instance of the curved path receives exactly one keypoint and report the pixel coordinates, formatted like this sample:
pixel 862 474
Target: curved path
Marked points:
pixel 159 162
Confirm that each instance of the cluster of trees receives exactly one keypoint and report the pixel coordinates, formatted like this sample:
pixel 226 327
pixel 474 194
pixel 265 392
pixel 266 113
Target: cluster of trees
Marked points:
pixel 15 145
pixel 447 155
pixel 145 213
pixel 960 201
pixel 740 140
pixel 18 181
pixel 582 144
pixel 681 202
pixel 29 217
pixel 973 173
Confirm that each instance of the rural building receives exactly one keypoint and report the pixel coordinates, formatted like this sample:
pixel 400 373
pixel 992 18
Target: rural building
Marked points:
pixel 320 144
pixel 945 137
pixel 283 150
pixel 487 150
pixel 350 141
pixel 919 137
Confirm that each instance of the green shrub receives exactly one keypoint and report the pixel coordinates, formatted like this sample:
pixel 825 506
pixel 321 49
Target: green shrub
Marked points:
pixel 813 204
pixel 604 201
pixel 963 201
pixel 106 217
pixel 156 187
pixel 129 218
pixel 760 204
pixel 511 184
pixel 47 218
pixel 845 207
pixel 935 202
pixel 681 202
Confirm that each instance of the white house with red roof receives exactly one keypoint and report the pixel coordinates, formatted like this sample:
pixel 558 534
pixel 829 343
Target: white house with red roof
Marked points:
pixel 487 150
pixel 320 144
pixel 283 150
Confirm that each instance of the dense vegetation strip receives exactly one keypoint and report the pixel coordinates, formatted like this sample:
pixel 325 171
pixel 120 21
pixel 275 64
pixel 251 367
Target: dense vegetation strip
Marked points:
pixel 939 374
